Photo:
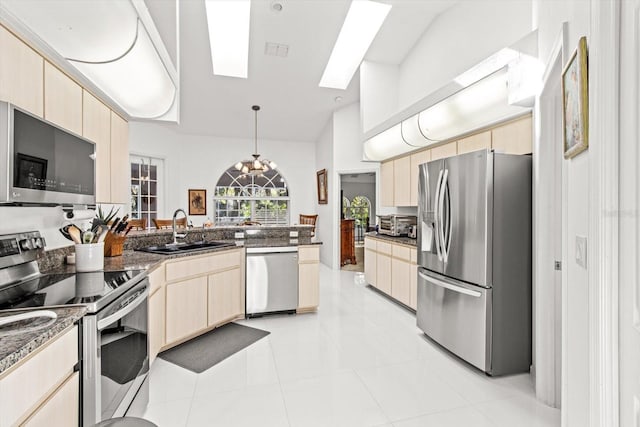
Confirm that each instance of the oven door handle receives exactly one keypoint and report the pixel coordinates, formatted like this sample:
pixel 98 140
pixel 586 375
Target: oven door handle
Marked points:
pixel 103 323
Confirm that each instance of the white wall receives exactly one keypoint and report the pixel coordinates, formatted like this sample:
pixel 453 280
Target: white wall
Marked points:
pixel 196 161
pixel 326 222
pixel 548 16
pixel 458 39
pixel 378 93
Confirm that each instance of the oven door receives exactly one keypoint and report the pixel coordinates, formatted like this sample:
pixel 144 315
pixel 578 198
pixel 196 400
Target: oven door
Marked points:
pixel 117 356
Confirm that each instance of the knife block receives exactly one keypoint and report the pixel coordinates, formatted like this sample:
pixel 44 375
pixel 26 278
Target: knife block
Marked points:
pixel 113 244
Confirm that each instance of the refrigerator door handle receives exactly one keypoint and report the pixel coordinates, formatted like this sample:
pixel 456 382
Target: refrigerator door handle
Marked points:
pixel 439 248
pixel 445 186
pixel 440 215
pixel 451 287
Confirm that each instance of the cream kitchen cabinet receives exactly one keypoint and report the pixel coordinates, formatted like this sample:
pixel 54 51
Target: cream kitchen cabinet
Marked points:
pixel 417 159
pixel 120 172
pixel 402 181
pixel 479 141
pixel 447 150
pixel 391 268
pixel 386 183
pixel 225 297
pixel 62 99
pixel 186 309
pixel 157 304
pixel 308 278
pixel 96 127
pixel 202 292
pixel 21 74
pixel 43 389
pixel 514 137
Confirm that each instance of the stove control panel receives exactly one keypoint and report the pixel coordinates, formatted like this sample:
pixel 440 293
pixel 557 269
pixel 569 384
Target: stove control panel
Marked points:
pixel 19 247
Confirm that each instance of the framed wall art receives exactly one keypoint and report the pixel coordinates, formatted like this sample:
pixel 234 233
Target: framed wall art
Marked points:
pixel 197 202
pixel 575 102
pixel 322 186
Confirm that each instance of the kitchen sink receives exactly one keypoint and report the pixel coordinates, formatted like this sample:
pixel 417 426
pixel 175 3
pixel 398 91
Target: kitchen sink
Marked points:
pixel 185 247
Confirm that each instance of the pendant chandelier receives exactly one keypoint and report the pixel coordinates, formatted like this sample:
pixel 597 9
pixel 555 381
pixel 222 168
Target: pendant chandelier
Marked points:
pixel 255 167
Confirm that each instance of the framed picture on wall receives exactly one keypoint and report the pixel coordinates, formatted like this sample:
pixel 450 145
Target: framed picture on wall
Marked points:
pixel 197 202
pixel 322 186
pixel 575 102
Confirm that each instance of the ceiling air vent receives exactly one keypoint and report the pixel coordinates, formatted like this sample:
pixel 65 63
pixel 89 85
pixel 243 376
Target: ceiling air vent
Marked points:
pixel 276 49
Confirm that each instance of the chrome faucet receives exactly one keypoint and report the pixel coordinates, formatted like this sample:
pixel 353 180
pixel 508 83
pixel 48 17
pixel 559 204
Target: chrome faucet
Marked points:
pixel 177 235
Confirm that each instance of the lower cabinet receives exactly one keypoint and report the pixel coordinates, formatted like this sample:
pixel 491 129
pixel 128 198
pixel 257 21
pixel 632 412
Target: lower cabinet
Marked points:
pixel 156 323
pixel 43 389
pixel 308 278
pixel 392 269
pixel 225 297
pixel 186 308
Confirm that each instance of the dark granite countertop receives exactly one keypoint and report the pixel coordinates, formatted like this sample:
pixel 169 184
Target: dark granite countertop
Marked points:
pixel 19 339
pixel 406 241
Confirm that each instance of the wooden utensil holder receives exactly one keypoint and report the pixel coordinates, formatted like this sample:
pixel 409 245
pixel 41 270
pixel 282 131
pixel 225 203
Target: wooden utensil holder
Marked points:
pixel 113 244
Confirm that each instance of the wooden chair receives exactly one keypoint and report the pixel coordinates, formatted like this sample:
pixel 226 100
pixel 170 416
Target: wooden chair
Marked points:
pixel 309 220
pixel 168 223
pixel 138 224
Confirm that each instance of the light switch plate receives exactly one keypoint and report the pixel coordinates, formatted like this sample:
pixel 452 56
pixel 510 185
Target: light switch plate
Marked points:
pixel 293 234
pixel 239 235
pixel 581 251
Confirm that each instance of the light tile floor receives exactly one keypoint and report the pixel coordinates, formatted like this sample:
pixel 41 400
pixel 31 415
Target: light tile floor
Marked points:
pixel 360 361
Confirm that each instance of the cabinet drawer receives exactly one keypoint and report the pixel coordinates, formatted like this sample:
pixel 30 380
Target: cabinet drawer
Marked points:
pixel 62 409
pixel 308 254
pixel 401 252
pixel 370 244
pixel 24 388
pixel 384 248
pixel 202 265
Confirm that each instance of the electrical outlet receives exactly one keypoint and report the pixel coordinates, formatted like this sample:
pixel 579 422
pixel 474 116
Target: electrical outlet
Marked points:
pixel 293 234
pixel 581 251
pixel 239 235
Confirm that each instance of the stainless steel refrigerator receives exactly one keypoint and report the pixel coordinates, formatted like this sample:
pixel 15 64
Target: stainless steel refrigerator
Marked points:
pixel 474 258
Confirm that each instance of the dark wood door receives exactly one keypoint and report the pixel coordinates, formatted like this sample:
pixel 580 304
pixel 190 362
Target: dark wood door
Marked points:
pixel 347 242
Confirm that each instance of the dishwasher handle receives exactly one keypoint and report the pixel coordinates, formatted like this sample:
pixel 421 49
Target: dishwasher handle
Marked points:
pixel 274 250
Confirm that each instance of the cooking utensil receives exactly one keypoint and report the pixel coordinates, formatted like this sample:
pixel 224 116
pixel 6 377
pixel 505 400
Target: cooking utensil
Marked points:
pixel 87 237
pixel 114 224
pixel 76 234
pixel 65 233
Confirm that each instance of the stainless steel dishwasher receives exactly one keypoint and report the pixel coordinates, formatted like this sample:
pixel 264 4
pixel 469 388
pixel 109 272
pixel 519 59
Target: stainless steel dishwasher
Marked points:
pixel 272 280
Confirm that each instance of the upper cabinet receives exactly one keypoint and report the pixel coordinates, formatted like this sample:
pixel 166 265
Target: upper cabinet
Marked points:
pixel 479 141
pixel 62 99
pixel 96 127
pixel 416 160
pixel 21 74
pixel 120 173
pixel 399 177
pixel 514 137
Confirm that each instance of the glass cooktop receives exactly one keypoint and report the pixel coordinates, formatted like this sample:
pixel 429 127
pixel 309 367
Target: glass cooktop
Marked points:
pixel 93 289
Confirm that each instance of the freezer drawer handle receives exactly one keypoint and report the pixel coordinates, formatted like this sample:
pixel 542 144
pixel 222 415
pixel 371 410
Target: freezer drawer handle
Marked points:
pixel 451 287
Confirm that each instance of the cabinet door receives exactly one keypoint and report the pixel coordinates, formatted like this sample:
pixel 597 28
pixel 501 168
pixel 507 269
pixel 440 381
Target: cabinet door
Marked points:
pixel 416 160
pixel 514 137
pixel 308 286
pixel 62 409
pixel 186 311
pixel 96 126
pixel 21 74
pixel 413 290
pixel 120 172
pixel 386 184
pixel 370 267
pixel 400 281
pixel 383 273
pixel 475 142
pixel 156 323
pixel 225 298
pixel 402 181
pixel 446 150
pixel 62 99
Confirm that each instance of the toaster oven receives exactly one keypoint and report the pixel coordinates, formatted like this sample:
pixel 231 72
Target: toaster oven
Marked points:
pixel 396 225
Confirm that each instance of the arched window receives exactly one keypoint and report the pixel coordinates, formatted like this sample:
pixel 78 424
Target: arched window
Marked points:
pixel 346 213
pixel 361 209
pixel 243 197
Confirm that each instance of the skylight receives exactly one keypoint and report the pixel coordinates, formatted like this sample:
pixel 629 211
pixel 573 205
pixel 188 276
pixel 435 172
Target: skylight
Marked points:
pixel 360 27
pixel 228 22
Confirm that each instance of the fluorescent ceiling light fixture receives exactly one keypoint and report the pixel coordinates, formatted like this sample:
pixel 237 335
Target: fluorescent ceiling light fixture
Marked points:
pixel 125 64
pixel 360 27
pixel 487 66
pixel 228 22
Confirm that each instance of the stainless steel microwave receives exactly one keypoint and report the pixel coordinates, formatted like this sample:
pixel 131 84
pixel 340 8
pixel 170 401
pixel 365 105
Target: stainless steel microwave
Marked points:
pixel 44 163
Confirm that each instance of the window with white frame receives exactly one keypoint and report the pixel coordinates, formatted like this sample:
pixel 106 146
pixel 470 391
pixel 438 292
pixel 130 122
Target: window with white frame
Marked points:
pixel 243 197
pixel 146 187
